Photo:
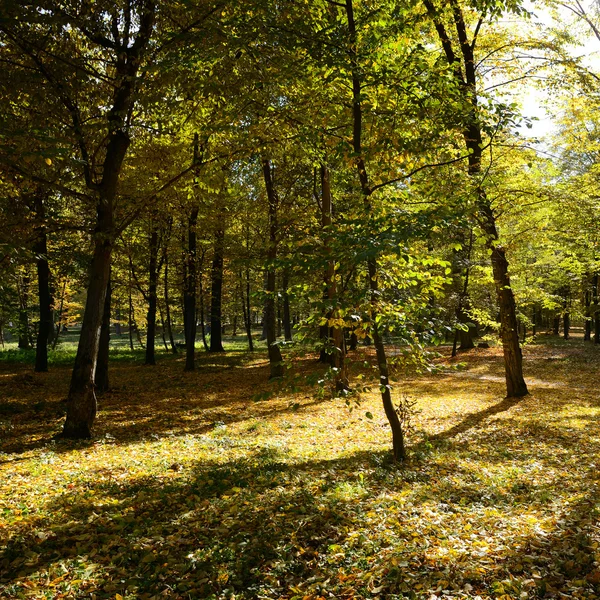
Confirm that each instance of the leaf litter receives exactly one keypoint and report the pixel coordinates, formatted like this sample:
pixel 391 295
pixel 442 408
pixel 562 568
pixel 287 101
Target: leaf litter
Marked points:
pixel 217 484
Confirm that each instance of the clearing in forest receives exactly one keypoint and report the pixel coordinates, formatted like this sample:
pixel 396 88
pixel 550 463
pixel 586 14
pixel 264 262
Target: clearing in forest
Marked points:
pixel 216 484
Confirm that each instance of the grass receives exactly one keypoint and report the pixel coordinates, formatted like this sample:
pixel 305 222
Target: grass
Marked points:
pixel 217 484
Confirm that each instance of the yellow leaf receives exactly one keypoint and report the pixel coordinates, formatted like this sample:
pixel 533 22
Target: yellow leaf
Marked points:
pixel 48 161
pixel 118 597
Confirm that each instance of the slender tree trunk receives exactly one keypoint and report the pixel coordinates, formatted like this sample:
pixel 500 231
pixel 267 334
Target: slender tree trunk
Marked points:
pixel 337 358
pixel 130 317
pixel 248 312
pixel 101 379
pixel 275 358
pixel 466 77
pixel 596 292
pixel 40 248
pixel 168 301
pixel 399 451
pixel 216 343
pixel 566 317
pixel 163 328
pixel 462 316
pixel 61 307
pixel 23 289
pixel 189 296
pixel 587 299
pixel 152 285
pixel 535 319
pixel 287 322
pixel 201 308
pixel 556 325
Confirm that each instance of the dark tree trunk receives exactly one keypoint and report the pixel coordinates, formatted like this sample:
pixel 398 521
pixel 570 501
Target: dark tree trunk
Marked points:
pixel 189 293
pixel 152 285
pixel 337 357
pixel 587 299
pixel 168 301
pixel 61 307
pixel 163 332
pixel 556 325
pixel 23 288
pixel 534 320
pixel 248 312
pixel 81 401
pixel 216 292
pixel 399 451
pixel 287 322
pixel 353 341
pixel 275 358
pixel 566 319
pixel 596 292
pixel 130 317
pixel 40 248
pixel 462 317
pixel 464 70
pixel 201 307
pixel 101 380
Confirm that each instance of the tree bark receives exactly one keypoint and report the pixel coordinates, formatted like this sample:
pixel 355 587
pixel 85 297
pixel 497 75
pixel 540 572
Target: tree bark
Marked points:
pixel 216 292
pixel 287 321
pixel 101 379
pixel 152 285
pixel 587 300
pixel 81 401
pixel 466 77
pixel 399 451
pixel 337 358
pixel 23 290
pixel 596 292
pixel 270 325
pixel 566 317
pixel 248 312
pixel 189 293
pixel 168 301
pixel 40 248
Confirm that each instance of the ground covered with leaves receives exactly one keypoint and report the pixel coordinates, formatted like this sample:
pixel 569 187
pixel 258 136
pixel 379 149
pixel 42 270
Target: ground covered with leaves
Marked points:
pixel 217 484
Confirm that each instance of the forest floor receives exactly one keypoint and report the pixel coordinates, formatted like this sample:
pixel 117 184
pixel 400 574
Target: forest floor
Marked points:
pixel 217 484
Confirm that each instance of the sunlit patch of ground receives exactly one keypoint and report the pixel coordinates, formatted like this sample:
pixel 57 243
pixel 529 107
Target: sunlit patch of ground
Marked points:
pixel 217 484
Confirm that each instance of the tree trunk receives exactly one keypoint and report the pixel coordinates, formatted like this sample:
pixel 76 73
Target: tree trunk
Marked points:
pixel 101 378
pixel 189 293
pixel 337 357
pixel 466 77
pixel 201 307
pixel 152 285
pixel 23 289
pixel 81 401
pixel 163 331
pixel 566 318
pixel 130 316
pixel 216 292
pixel 248 312
pixel 587 299
pixel 40 248
pixel 287 321
pixel 61 307
pixel 462 317
pixel 275 358
pixel 399 451
pixel 168 301
pixel 596 292
pixel 556 325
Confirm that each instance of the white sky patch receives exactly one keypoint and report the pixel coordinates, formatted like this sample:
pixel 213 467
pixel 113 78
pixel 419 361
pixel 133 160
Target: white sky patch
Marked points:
pixel 535 98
